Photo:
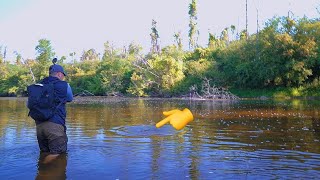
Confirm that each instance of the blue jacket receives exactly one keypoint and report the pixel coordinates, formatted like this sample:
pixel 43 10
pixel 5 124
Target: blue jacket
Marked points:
pixel 64 94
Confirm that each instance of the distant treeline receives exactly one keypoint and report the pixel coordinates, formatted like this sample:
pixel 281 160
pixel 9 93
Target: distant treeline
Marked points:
pixel 283 55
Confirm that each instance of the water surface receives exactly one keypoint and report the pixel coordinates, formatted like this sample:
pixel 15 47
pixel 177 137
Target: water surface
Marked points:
pixel 116 138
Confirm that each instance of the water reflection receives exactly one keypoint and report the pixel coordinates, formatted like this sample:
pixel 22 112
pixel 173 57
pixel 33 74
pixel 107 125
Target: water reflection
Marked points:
pixel 117 139
pixel 55 169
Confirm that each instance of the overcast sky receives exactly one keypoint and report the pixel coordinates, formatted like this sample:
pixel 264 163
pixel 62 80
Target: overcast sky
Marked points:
pixel 77 25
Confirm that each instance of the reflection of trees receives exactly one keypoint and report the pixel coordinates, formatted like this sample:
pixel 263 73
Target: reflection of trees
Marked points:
pixel 270 133
pixel 84 119
pixel 218 126
pixel 196 143
pixel 316 126
pixel 4 119
pixel 135 112
pixel 14 113
pixel 90 118
pixel 156 153
pixel 172 152
pixel 257 126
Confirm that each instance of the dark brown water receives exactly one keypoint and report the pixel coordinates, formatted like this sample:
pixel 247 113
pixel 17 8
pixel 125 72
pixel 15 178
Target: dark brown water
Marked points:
pixel 117 139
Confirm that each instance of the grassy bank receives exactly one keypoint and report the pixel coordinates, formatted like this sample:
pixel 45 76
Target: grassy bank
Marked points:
pixel 301 92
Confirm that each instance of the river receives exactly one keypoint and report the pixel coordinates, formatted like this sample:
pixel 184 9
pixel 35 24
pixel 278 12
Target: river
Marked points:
pixel 116 138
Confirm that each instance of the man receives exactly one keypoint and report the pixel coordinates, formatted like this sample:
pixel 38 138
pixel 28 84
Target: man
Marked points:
pixel 51 134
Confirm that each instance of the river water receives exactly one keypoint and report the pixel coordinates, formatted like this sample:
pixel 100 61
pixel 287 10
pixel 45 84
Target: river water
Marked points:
pixel 116 138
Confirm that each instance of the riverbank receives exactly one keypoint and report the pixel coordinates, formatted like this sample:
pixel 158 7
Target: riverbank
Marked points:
pixel 261 94
pixel 278 93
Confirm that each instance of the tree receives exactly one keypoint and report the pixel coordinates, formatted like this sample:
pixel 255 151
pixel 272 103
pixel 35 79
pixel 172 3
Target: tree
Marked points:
pixel 192 24
pixel 178 40
pixel 169 70
pixel 243 35
pixel 159 73
pixel 18 59
pixel 89 55
pixel 3 69
pixel 233 28
pixel 72 55
pixel 115 70
pixel 155 47
pixel 1 56
pixel 215 43
pixel 211 41
pixel 225 36
pixel 138 85
pixel 134 49
pixel 109 51
pixel 5 53
pixel 45 54
pixel 20 62
pixel 246 30
pixel 62 59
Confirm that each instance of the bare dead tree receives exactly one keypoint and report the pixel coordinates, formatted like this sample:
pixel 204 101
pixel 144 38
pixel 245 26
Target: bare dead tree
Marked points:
pixel 5 53
pixel 209 91
pixel 155 47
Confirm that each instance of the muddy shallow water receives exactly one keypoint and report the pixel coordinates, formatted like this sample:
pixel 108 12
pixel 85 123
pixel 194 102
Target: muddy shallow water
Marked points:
pixel 116 138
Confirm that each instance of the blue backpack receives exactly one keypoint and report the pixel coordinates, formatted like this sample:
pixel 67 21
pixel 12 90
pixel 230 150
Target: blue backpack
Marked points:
pixel 42 102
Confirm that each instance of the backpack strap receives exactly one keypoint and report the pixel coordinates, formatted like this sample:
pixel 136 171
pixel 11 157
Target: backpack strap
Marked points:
pixel 56 107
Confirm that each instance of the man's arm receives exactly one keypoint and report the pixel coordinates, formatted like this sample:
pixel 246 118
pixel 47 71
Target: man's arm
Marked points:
pixel 69 94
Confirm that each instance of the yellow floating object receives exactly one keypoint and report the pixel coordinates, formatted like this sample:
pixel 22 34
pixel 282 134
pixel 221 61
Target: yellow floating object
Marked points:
pixel 177 118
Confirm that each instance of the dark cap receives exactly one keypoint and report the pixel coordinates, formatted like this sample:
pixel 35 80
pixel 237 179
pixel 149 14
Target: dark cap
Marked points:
pixel 56 68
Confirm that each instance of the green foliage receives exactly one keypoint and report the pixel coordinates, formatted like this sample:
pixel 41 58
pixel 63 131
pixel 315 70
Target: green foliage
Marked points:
pixel 282 60
pixel 138 86
pixel 168 69
pixel 134 51
pixel 160 72
pixel 45 54
pixel 279 56
pixel 1 56
pixel 16 82
pixel 114 71
pixel 85 84
pixel 44 51
pixel 183 87
pixel 178 39
pixel 89 55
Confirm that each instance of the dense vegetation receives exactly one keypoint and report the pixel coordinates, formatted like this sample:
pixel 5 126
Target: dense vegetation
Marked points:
pixel 280 60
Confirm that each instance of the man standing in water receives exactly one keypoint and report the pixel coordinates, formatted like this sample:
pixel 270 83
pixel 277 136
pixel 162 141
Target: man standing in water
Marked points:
pixel 51 134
